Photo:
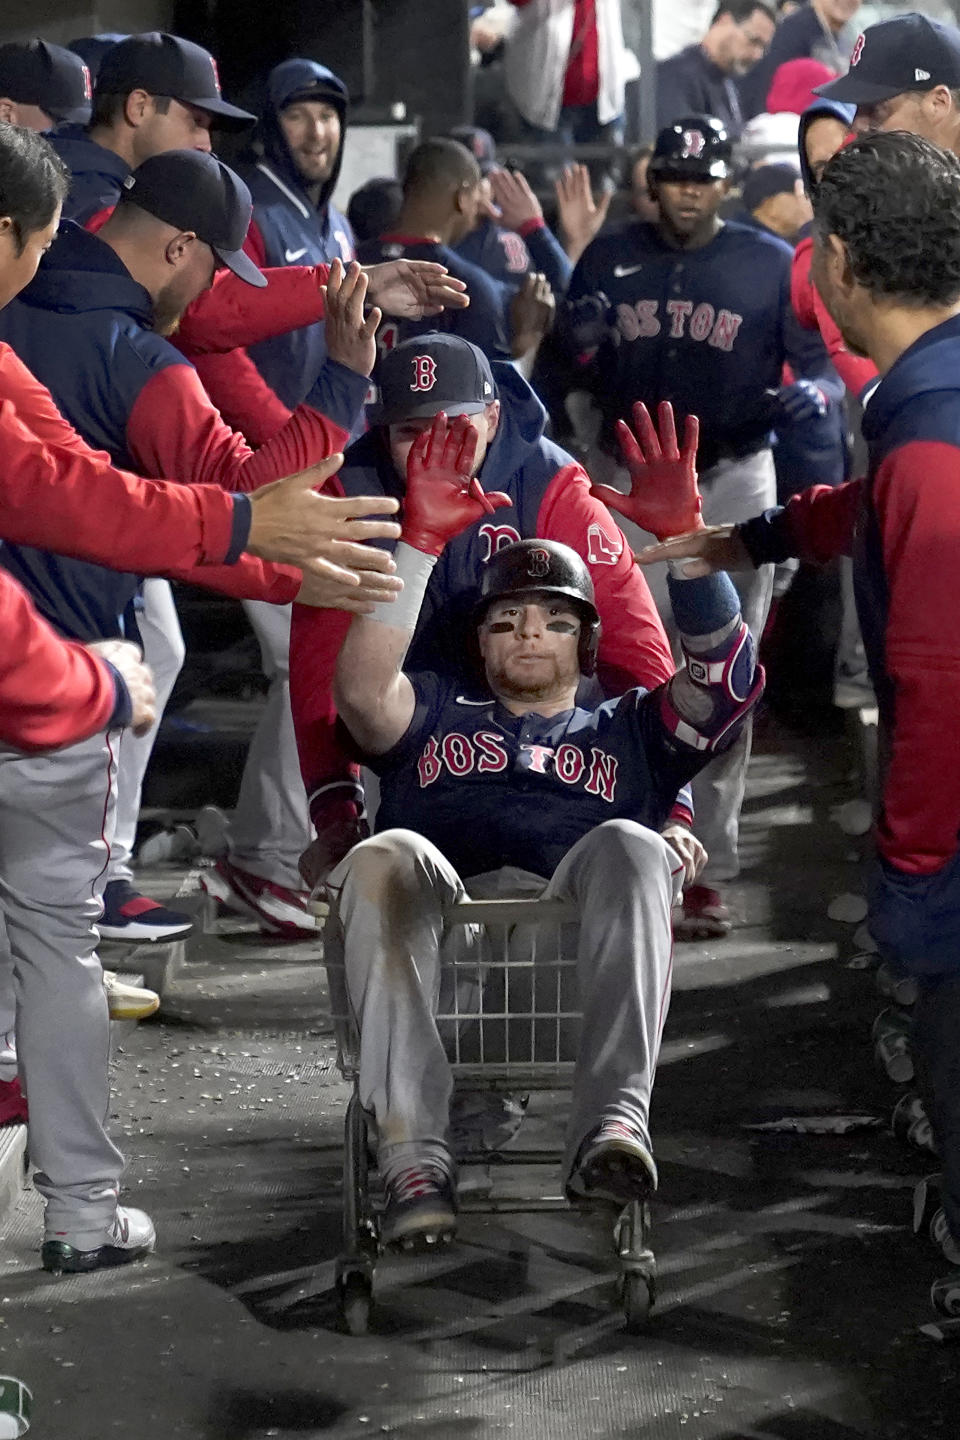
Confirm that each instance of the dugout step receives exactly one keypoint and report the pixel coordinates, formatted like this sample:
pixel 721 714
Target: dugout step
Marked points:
pixel 13 1166
pixel 151 963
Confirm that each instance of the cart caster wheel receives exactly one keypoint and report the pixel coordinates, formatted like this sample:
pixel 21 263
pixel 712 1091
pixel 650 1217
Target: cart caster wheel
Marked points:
pixel 356 1301
pixel 636 1297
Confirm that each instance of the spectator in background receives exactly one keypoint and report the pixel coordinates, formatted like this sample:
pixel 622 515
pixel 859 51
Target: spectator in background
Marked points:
pixel 43 85
pixel 374 208
pixel 702 79
pixel 791 92
pixel 566 69
pixel 818 31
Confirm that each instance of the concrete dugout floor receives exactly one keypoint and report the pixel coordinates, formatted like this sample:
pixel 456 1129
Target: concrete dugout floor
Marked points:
pixel 791 1286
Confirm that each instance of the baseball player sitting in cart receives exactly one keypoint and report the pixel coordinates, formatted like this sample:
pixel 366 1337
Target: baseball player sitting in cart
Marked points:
pixel 516 774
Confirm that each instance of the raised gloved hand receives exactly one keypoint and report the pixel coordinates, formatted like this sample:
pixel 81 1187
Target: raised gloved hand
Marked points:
pixel 803 400
pixel 443 495
pixel 663 497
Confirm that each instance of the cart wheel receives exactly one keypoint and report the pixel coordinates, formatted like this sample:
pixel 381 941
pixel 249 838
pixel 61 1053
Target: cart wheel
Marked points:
pixel 356 1300
pixel 636 1295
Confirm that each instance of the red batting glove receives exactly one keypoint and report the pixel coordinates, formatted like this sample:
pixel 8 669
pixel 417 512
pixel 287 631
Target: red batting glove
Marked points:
pixel 663 498
pixel 443 495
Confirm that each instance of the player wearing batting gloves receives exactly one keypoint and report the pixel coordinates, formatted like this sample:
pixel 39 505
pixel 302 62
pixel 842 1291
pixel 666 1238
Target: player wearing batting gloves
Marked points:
pixel 549 498
pixel 510 771
pixel 697 312
pixel 896 298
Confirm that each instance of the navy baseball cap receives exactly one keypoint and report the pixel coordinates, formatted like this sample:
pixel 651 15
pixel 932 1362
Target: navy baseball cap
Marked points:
pixel 480 143
pixel 165 64
pixel 430 373
pixel 34 72
pixel 909 52
pixel 92 48
pixel 197 192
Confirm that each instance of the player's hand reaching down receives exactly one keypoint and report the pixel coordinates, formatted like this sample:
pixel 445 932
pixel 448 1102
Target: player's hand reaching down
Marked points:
pixel 682 839
pixel 664 497
pixel 322 534
pixel 127 660
pixel 443 495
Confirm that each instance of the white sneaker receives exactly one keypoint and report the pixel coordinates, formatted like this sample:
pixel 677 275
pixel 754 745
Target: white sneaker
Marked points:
pixel 129 1002
pixel 130 1237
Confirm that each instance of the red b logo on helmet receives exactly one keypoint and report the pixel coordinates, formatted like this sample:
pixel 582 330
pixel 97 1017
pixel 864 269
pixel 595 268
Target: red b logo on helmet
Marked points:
pixel 538 564
pixel 424 372
pixel 857 50
pixel 693 143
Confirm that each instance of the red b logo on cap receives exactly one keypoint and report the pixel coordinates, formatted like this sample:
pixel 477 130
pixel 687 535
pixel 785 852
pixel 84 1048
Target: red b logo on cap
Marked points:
pixel 538 564
pixel 424 373
pixel 693 144
pixel 857 50
pixel 216 75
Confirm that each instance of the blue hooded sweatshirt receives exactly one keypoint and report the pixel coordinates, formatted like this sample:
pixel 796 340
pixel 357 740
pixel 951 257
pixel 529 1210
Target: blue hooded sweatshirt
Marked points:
pixel 291 229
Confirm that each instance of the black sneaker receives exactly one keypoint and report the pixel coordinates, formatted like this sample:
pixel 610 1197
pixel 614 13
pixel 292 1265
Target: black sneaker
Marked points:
pixel 128 915
pixel 614 1167
pixel 420 1209
pixel 130 1237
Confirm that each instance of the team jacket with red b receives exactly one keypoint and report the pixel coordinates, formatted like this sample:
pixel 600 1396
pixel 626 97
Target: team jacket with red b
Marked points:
pixel 551 499
pixel 902 525
pixel 84 327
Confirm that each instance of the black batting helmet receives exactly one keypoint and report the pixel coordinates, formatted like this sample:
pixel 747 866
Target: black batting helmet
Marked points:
pixel 694 145
pixel 545 567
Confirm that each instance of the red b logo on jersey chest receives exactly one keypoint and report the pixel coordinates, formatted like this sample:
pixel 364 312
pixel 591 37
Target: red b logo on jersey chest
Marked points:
pixel 424 372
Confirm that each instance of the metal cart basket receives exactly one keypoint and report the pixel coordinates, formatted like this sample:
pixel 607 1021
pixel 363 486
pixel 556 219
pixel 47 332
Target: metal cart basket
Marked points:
pixel 509 1016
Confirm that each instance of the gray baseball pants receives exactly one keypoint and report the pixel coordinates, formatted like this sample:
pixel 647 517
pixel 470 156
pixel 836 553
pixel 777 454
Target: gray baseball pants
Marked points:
pixel 56 818
pixel 387 928
pixel 733 490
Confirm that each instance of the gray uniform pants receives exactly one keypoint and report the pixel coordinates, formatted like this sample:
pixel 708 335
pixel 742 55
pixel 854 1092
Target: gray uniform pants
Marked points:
pixel 164 652
pixel 733 490
pixel 271 825
pixel 56 817
pixel 387 928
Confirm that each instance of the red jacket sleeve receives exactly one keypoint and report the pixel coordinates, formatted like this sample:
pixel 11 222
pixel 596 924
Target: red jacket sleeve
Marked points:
pixel 634 649
pixel 59 494
pixel 820 520
pixel 174 428
pixel 232 313
pixel 242 396
pixel 915 495
pixel 855 372
pixel 53 692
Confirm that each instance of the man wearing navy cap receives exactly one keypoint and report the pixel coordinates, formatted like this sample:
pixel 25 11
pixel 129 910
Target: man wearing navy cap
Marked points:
pixel 154 92
pixel 91 327
pixel 550 499
pixel 43 85
pixel 904 75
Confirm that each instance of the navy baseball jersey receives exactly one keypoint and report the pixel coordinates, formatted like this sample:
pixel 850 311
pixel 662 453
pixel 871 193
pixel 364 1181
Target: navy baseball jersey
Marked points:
pixel 483 322
pixel 490 788
pixel 507 257
pixel 708 329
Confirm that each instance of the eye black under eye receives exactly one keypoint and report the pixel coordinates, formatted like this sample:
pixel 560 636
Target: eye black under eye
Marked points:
pixel 562 627
pixel 500 627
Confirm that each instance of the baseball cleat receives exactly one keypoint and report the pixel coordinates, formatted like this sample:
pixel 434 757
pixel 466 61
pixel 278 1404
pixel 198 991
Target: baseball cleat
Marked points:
pixel 13 1103
pixel 420 1209
pixel 128 915
pixel 279 911
pixel 130 1237
pixel 704 917
pixel 129 1002
pixel 614 1167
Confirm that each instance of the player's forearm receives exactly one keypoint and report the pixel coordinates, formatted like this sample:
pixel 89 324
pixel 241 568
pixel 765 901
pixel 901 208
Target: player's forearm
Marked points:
pixel 373 696
pixel 705 704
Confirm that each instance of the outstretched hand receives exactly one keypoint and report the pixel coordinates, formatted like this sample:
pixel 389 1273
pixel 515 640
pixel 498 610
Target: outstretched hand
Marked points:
pixel 411 289
pixel 443 495
pixel 664 498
